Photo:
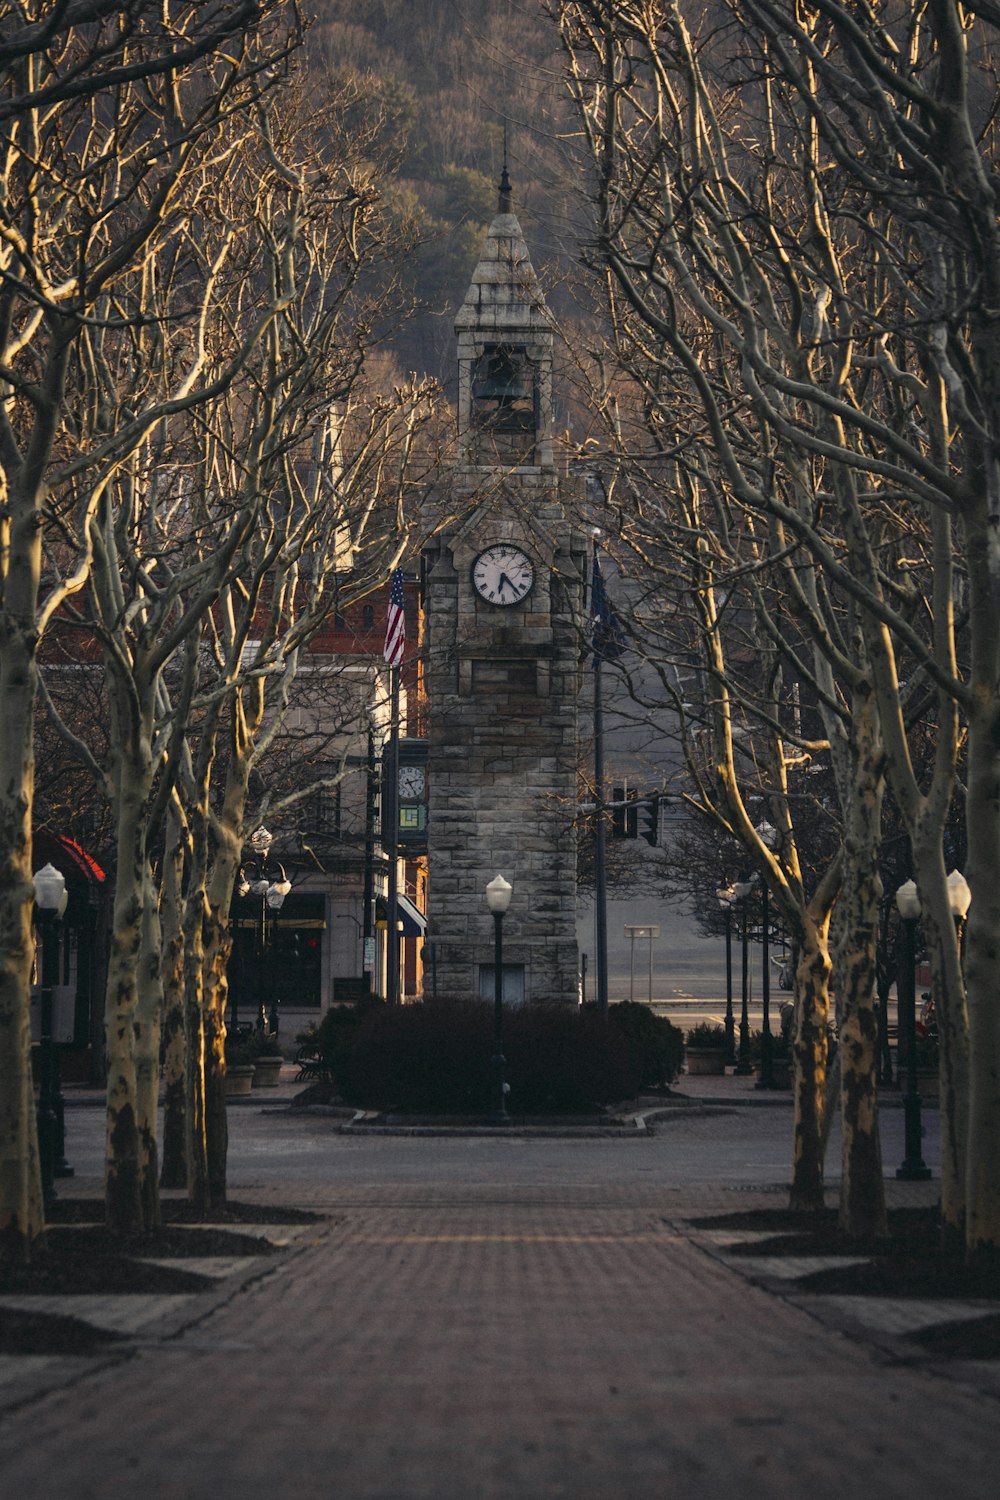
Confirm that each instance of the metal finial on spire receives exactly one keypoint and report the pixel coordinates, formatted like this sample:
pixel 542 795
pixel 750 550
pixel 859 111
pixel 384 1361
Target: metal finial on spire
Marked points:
pixel 506 196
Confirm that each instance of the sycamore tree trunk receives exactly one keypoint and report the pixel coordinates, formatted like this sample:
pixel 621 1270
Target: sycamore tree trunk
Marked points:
pixel 983 990
pixel 21 1210
pixel 123 1163
pixel 218 948
pixel 216 1120
pixel 982 946
pixel 22 495
pixel 127 1033
pixel 149 1009
pixel 812 1003
pixel 216 929
pixel 211 1143
pixel 862 1193
pixel 195 1040
pixel 173 1172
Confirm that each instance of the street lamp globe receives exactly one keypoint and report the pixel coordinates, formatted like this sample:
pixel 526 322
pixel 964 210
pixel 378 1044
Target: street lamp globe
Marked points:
pixel 261 840
pixel 51 894
pixel 498 894
pixel 959 895
pixel 908 901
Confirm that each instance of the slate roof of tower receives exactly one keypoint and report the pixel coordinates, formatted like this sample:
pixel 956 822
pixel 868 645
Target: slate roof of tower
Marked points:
pixel 505 293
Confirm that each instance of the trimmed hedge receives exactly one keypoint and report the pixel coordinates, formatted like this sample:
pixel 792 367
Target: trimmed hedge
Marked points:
pixel 656 1043
pixel 436 1057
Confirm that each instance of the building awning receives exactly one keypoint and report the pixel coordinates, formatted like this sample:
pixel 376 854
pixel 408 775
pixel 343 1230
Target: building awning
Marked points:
pixel 413 920
pixel 67 855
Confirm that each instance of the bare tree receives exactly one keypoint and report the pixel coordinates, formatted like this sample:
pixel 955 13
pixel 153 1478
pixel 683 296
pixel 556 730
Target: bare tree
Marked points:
pixel 216 552
pixel 796 259
pixel 96 178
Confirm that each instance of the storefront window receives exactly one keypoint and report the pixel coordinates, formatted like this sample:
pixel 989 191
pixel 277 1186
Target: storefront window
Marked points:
pixel 287 970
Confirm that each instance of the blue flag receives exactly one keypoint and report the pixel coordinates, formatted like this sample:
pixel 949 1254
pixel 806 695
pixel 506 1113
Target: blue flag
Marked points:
pixel 606 634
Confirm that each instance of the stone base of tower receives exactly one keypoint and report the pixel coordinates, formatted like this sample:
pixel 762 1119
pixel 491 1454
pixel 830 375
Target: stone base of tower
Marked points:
pixel 502 751
pixel 532 974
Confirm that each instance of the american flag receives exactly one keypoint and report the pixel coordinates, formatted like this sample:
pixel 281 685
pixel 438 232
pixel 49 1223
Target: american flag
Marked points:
pixel 395 623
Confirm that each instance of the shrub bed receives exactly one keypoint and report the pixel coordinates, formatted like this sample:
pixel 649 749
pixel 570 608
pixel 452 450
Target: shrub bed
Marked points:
pixel 656 1045
pixel 436 1057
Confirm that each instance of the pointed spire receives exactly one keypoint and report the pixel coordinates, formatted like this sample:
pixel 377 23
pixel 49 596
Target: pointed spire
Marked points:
pixel 506 200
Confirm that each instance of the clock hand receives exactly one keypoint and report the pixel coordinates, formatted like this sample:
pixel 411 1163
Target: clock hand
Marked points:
pixel 505 583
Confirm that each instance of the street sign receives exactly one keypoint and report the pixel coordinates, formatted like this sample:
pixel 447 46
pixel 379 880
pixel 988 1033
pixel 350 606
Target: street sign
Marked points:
pixel 648 931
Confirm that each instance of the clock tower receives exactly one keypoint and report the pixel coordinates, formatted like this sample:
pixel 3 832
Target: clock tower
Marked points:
pixel 504 578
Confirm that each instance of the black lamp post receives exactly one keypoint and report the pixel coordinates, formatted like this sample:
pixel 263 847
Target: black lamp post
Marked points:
pixel 741 891
pixel 768 837
pixel 271 895
pixel 50 899
pixel 498 894
pixel 726 898
pixel 913 1167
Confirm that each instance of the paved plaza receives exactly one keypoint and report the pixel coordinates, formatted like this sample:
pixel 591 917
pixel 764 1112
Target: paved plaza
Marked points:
pixel 490 1318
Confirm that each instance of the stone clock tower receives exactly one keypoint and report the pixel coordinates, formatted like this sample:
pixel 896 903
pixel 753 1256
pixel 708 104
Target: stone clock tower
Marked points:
pixel 503 593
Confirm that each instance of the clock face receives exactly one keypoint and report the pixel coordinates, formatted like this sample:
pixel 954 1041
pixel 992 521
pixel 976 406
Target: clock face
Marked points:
pixel 411 781
pixel 503 574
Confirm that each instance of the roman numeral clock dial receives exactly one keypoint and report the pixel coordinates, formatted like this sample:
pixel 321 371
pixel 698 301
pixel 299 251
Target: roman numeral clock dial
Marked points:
pixel 503 574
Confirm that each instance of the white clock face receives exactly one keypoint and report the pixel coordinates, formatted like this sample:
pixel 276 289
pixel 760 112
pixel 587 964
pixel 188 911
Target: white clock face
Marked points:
pixel 411 781
pixel 503 574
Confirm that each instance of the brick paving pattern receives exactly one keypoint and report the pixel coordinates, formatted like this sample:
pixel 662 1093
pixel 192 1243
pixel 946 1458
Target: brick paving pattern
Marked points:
pixel 504 1321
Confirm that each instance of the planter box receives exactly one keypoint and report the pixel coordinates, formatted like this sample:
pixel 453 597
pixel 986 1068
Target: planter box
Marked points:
pixel 704 1060
pixel 266 1071
pixel 239 1080
pixel 781 1072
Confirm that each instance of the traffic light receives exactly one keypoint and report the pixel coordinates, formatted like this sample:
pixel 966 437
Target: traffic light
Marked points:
pixel 624 813
pixel 647 814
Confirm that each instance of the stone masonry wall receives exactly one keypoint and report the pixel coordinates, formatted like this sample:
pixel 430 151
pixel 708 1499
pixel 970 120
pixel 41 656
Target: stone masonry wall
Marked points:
pixel 502 756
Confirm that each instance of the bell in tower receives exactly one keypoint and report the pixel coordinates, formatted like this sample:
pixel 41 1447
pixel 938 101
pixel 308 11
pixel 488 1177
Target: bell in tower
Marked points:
pixel 505 389
pixel 504 354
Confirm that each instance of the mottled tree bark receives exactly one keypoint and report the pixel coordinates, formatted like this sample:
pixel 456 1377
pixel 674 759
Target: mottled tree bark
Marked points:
pixel 812 1004
pixel 149 1007
pixel 982 938
pixel 196 1050
pixel 21 1210
pixel 862 1194
pixel 123 1170
pixel 22 493
pixel 173 1172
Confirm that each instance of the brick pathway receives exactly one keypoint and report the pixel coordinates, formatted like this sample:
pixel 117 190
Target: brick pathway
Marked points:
pixel 488 1342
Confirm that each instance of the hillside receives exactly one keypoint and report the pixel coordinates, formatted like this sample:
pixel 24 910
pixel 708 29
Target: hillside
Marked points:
pixel 450 74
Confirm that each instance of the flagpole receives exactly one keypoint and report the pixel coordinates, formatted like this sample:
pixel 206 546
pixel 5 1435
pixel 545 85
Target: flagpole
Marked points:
pixel 390 786
pixel 600 868
pixel 393 651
